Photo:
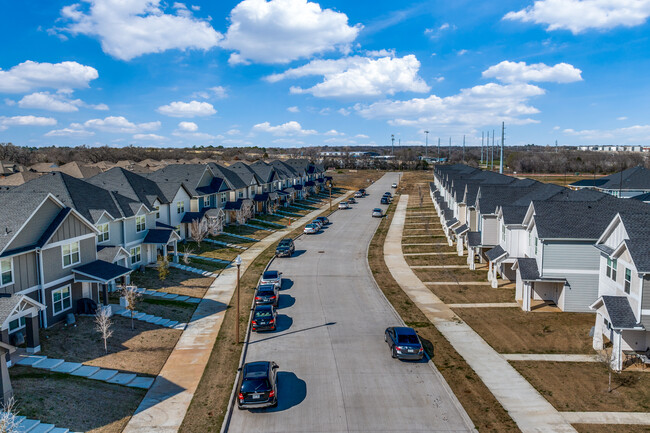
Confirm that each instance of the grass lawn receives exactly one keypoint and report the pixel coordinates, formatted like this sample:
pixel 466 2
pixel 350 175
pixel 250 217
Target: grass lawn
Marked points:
pixel 582 386
pixel 608 428
pixel 178 281
pixel 143 350
pixel 354 179
pixel 72 402
pixel 459 294
pixel 511 330
pixel 484 410
pixel 424 248
pixel 461 274
pixel 275 218
pixel 224 237
pixel 249 232
pixel 446 259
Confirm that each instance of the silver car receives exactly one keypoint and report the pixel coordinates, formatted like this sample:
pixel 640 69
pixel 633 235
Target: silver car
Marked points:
pixel 377 213
pixel 310 229
pixel 271 277
pixel 344 205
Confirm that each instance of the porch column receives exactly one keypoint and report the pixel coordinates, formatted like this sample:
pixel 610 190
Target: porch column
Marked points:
pixel 32 335
pixel 598 333
pixel 105 294
pixel 470 258
pixel 495 278
pixel 451 242
pixel 616 360
pixel 175 251
pixel 489 276
pixel 5 381
pixel 459 245
pixel 525 297
pixel 4 337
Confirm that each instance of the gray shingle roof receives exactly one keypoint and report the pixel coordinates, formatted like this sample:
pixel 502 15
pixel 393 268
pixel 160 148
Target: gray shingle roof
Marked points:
pixel 462 229
pixel 619 312
pixel 630 179
pixel 107 253
pixel 131 185
pixel 158 236
pixel 102 271
pixel 231 178
pixel 263 170
pixel 15 209
pixel 175 174
pixel 474 239
pixel 245 173
pixel 495 253
pixel 451 222
pixel 640 251
pixel 528 268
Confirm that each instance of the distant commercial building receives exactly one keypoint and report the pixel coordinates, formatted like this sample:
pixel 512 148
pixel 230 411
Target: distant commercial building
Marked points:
pixel 616 148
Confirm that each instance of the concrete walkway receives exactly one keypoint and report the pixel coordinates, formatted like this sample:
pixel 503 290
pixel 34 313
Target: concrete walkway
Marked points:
pixel 166 403
pixel 168 296
pixel 225 244
pixel 438 266
pixel 485 305
pixel 193 270
pixel 24 425
pixel 444 253
pixel 459 283
pixel 548 357
pixel 150 318
pixel 525 405
pixel 634 418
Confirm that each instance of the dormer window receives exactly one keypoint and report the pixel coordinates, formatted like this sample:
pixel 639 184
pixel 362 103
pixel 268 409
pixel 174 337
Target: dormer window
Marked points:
pixel 628 280
pixel 6 272
pixel 611 268
pixel 140 223
pixel 103 235
pixel 70 253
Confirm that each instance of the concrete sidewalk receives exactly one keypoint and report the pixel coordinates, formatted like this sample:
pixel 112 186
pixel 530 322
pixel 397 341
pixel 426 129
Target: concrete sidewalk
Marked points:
pixel 525 405
pixel 633 418
pixel 550 357
pixel 166 403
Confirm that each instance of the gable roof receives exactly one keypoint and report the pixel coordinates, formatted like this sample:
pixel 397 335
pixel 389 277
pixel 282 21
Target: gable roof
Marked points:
pixel 189 175
pixel 16 210
pixel 131 185
pixel 633 178
pixel 620 312
pixel 231 178
pixel 245 173
pixel 264 171
pixel 528 268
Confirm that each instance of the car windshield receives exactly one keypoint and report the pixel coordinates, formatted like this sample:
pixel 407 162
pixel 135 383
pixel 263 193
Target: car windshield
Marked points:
pixel 265 291
pixel 407 339
pixel 285 243
pixel 376 209
pixel 255 385
pixel 262 314
pixel 270 275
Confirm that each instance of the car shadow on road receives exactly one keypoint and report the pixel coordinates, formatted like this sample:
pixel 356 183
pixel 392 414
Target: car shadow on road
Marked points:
pixel 291 392
pixel 283 322
pixel 298 253
pixel 286 284
pixel 292 332
pixel 286 301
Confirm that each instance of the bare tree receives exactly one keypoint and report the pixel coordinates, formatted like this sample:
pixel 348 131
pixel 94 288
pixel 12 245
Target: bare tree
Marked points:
pixel 607 358
pixel 273 207
pixel 132 296
pixel 199 230
pixel 187 251
pixel 216 222
pixel 163 268
pixel 103 325
pixel 244 213
pixel 9 420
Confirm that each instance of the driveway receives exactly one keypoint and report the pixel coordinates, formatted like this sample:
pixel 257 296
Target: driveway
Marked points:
pixel 336 373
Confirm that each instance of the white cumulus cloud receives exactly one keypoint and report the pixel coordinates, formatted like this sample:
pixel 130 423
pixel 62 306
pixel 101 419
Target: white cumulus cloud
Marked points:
pixel 279 31
pixel 151 137
pixel 289 128
pixel 187 109
pixel 578 16
pixel 128 29
pixel 30 75
pixel 359 76
pixel 188 126
pixel 630 134
pixel 520 72
pixel 119 124
pixel 477 106
pixel 6 122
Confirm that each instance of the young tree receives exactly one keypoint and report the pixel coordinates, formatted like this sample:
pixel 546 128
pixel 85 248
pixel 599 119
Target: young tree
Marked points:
pixel 132 297
pixel 9 417
pixel 103 325
pixel 187 251
pixel 199 230
pixel 216 222
pixel 607 358
pixel 245 213
pixel 163 268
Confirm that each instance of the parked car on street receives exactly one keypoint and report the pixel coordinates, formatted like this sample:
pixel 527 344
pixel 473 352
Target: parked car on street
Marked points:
pixel 285 248
pixel 351 200
pixel 344 205
pixel 311 229
pixel 264 318
pixel 362 191
pixel 377 213
pixel 404 343
pixel 394 185
pixel 267 294
pixel 384 200
pixel 358 194
pixel 258 385
pixel 388 194
pixel 317 223
pixel 271 277
pixel 324 220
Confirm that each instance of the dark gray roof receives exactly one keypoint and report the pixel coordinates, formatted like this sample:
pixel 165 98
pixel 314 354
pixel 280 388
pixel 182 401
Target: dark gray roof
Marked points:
pixel 231 178
pixel 15 210
pixel 158 236
pixel 635 178
pixel 474 239
pixel 131 185
pixel 264 171
pixel 642 197
pixel 245 173
pixel 451 222
pixel 102 271
pixel 528 268
pixel 284 169
pixel 589 183
pixel 189 175
pixel 640 251
pixel 86 198
pixel 620 312
pixel 462 229
pixel 495 253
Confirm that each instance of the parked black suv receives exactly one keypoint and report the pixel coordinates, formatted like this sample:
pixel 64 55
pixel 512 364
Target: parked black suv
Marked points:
pixel 285 248
pixel 258 385
pixel 267 294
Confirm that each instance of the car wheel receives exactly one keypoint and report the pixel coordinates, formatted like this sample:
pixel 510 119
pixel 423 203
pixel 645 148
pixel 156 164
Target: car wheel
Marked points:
pixel 275 403
pixel 239 407
pixel 394 353
pixel 385 338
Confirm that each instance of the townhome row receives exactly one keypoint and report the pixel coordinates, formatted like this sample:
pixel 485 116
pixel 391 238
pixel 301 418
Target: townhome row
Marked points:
pixel 63 239
pixel 580 250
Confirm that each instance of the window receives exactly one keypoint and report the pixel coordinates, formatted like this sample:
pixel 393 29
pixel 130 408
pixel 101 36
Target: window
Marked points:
pixel 201 203
pixel 17 324
pixel 71 254
pixel 535 245
pixel 503 233
pixel 140 223
pixel 628 280
pixel 224 197
pixel 6 272
pixel 611 268
pixel 241 194
pixel 157 208
pixel 135 255
pixel 61 300
pixel 103 233
pixel 180 207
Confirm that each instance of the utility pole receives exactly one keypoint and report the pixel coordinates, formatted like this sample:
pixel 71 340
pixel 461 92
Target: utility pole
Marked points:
pixel 463 147
pixel 392 144
pixel 492 153
pixel 238 262
pixel 482 133
pixel 438 149
pixel 503 140
pixel 426 144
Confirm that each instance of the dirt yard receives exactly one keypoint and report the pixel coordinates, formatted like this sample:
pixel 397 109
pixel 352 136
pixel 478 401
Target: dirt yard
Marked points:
pixel 511 330
pixel 178 281
pixel 459 294
pixel 582 386
pixel 608 428
pixel 143 350
pixel 71 402
pixel 460 274
pixel 354 179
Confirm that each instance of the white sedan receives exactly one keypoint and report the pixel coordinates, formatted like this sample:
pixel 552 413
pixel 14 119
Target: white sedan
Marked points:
pixel 311 229
pixel 394 185
pixel 377 213
pixel 344 205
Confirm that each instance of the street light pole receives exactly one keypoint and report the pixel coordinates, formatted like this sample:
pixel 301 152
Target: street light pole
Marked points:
pixel 238 263
pixel 426 143
pixel 330 184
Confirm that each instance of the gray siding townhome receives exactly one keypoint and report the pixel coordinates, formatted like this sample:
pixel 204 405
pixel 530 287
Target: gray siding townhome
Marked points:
pixel 628 183
pixel 623 304
pixel 559 238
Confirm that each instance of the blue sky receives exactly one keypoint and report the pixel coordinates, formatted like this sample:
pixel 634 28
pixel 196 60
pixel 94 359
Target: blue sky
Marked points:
pixel 285 73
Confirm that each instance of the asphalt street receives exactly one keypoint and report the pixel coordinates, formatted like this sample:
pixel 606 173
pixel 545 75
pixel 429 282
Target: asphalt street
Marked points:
pixel 336 373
